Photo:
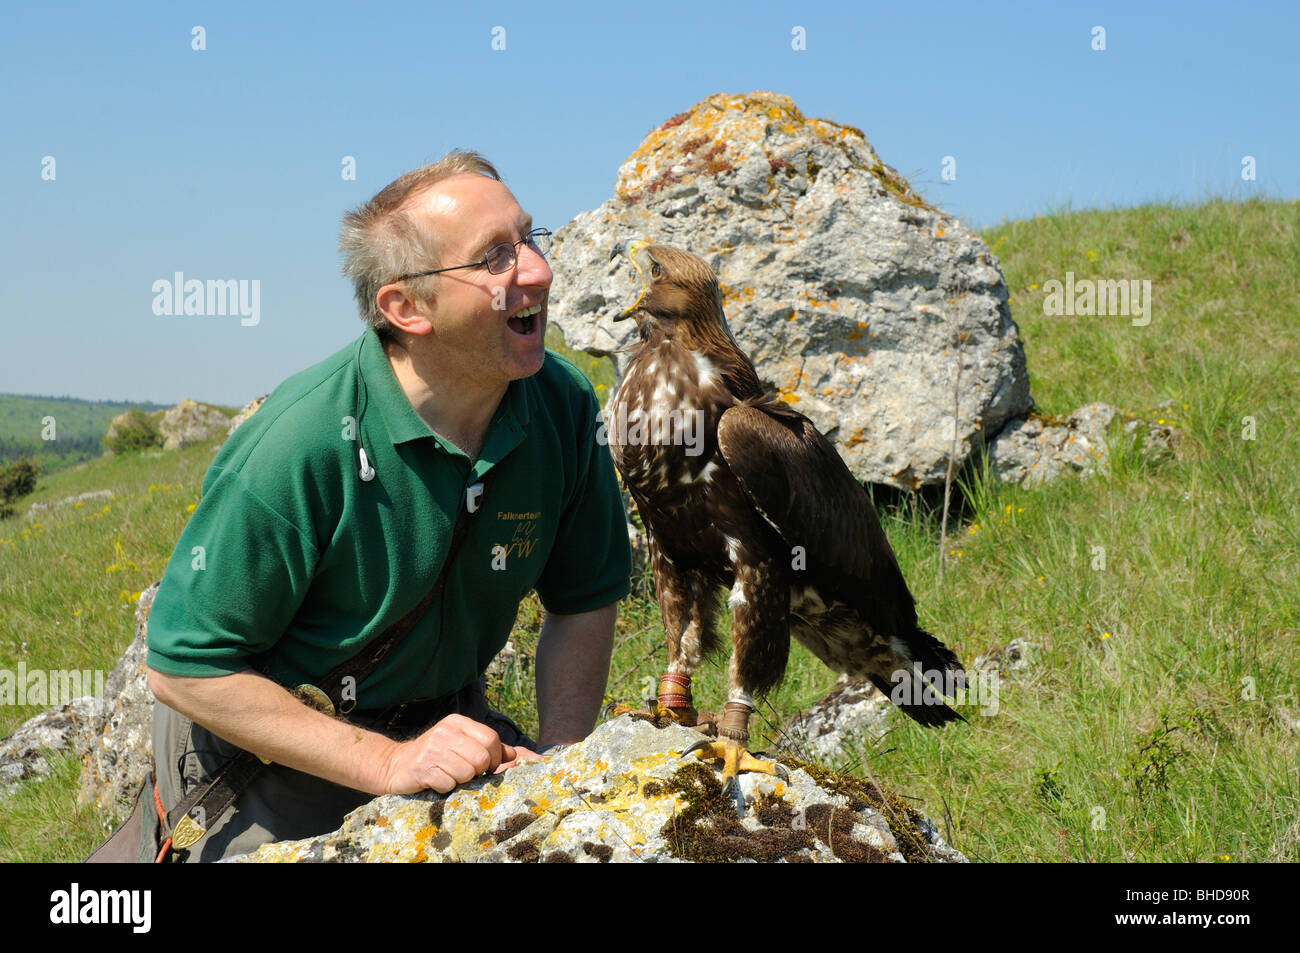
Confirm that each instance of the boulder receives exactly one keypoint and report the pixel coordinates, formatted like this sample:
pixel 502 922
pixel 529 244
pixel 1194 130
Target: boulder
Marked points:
pixel 117 741
pixel 1034 450
pixel 247 411
pixel 189 423
pixel 854 712
pixel 857 301
pixel 25 754
pixel 625 794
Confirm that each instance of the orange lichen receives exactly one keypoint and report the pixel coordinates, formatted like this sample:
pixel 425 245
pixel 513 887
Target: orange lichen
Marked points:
pixel 421 840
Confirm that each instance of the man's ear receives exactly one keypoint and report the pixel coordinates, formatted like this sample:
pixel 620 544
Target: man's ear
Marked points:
pixel 402 311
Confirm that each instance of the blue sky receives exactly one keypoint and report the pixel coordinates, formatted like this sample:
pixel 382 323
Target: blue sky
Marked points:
pixel 225 163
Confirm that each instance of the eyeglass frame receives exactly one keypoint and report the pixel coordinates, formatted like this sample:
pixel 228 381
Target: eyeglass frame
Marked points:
pixel 529 239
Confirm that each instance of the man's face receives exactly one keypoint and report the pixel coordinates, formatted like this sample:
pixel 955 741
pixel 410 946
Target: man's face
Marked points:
pixel 474 314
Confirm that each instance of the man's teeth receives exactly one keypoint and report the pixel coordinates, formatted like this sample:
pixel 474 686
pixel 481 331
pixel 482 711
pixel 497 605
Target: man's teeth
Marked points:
pixel 529 312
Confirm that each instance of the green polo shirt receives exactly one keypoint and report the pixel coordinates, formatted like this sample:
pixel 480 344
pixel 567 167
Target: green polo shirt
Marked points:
pixel 291 562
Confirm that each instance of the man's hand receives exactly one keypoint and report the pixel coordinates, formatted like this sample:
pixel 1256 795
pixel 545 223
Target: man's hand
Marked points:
pixel 521 755
pixel 455 750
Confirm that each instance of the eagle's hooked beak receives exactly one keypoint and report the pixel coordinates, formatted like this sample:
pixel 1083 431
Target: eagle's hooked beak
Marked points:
pixel 629 250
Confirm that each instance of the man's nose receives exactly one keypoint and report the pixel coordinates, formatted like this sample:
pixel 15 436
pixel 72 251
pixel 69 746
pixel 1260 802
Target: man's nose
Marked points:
pixel 532 268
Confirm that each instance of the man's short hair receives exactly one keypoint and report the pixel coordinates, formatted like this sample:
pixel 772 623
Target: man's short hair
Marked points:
pixel 381 240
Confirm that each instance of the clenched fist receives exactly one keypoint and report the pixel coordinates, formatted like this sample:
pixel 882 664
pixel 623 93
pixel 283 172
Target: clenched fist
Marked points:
pixel 455 750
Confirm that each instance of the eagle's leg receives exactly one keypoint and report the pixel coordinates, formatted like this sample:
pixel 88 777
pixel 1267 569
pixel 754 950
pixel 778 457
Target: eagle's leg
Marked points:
pixel 687 607
pixel 760 637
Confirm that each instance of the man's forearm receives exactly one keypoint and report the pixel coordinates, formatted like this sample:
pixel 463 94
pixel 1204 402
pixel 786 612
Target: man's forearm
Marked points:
pixel 572 670
pixel 258 715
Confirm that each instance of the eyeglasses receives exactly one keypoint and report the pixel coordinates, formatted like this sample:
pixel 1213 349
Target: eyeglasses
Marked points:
pixel 499 258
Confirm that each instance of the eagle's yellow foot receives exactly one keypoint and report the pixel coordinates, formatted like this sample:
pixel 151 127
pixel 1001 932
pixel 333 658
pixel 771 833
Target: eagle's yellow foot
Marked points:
pixel 735 758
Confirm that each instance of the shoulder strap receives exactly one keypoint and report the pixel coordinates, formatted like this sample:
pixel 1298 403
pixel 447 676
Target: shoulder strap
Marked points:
pixel 361 665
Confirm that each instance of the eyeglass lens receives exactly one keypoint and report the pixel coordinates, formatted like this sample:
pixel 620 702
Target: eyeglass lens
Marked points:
pixel 501 258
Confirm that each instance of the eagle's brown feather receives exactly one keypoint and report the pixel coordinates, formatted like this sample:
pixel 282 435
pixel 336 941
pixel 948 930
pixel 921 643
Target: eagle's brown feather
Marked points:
pixel 767 508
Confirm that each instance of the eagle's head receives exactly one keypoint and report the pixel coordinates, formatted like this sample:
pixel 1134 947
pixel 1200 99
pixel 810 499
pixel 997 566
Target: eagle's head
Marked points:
pixel 676 288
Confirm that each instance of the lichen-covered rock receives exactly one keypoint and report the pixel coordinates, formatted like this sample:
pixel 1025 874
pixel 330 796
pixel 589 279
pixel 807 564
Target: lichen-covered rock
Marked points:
pixel 24 755
pixel 625 794
pixel 189 423
pixel 1035 450
pixel 856 300
pixel 117 742
pixel 854 711
pixel 247 411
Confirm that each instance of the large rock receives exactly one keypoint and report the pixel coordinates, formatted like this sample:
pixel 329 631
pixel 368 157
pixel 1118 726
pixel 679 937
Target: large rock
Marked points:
pixel 189 423
pixel 25 755
pixel 117 742
pixel 1036 450
pixel 855 713
pixel 856 300
pixel 625 794
pixel 247 411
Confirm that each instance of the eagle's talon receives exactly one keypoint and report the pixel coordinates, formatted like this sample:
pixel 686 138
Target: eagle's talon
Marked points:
pixel 699 746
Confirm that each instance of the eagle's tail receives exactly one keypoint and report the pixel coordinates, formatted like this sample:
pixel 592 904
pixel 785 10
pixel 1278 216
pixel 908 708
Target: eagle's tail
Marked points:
pixel 932 670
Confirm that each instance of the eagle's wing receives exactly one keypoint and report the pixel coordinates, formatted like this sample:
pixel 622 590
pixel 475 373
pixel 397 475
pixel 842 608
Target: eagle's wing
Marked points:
pixel 802 488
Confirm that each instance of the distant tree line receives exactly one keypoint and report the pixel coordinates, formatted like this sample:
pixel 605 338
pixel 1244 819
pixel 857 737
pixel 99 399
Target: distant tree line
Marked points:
pixel 59 452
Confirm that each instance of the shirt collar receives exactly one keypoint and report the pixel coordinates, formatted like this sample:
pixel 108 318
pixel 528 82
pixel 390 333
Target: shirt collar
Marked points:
pixel 382 392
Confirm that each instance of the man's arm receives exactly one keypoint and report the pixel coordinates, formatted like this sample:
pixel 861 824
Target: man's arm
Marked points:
pixel 572 670
pixel 258 715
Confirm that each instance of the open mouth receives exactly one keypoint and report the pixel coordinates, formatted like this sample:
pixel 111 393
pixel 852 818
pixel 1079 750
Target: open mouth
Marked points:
pixel 526 321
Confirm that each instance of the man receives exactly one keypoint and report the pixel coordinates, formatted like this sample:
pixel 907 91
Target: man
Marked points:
pixel 327 516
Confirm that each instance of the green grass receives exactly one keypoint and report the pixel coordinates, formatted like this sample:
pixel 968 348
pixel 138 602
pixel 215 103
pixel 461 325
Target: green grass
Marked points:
pixel 1152 721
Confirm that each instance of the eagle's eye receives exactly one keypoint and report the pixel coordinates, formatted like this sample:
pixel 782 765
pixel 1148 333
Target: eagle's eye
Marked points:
pixel 656 271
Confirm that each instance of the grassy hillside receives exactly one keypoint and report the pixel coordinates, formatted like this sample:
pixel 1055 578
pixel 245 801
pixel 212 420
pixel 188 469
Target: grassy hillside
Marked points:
pixel 1158 718
pixel 56 431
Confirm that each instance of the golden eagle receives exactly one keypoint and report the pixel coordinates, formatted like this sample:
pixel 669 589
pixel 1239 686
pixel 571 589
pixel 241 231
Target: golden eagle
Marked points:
pixel 738 490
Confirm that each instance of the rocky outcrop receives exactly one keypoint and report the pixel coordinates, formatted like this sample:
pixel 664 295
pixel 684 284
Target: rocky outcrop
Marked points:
pixel 189 423
pixel 25 755
pixel 857 301
pixel 855 713
pixel 117 741
pixel 247 411
pixel 1038 449
pixel 626 795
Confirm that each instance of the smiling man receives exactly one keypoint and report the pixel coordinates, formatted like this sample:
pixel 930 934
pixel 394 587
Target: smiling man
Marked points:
pixel 365 539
